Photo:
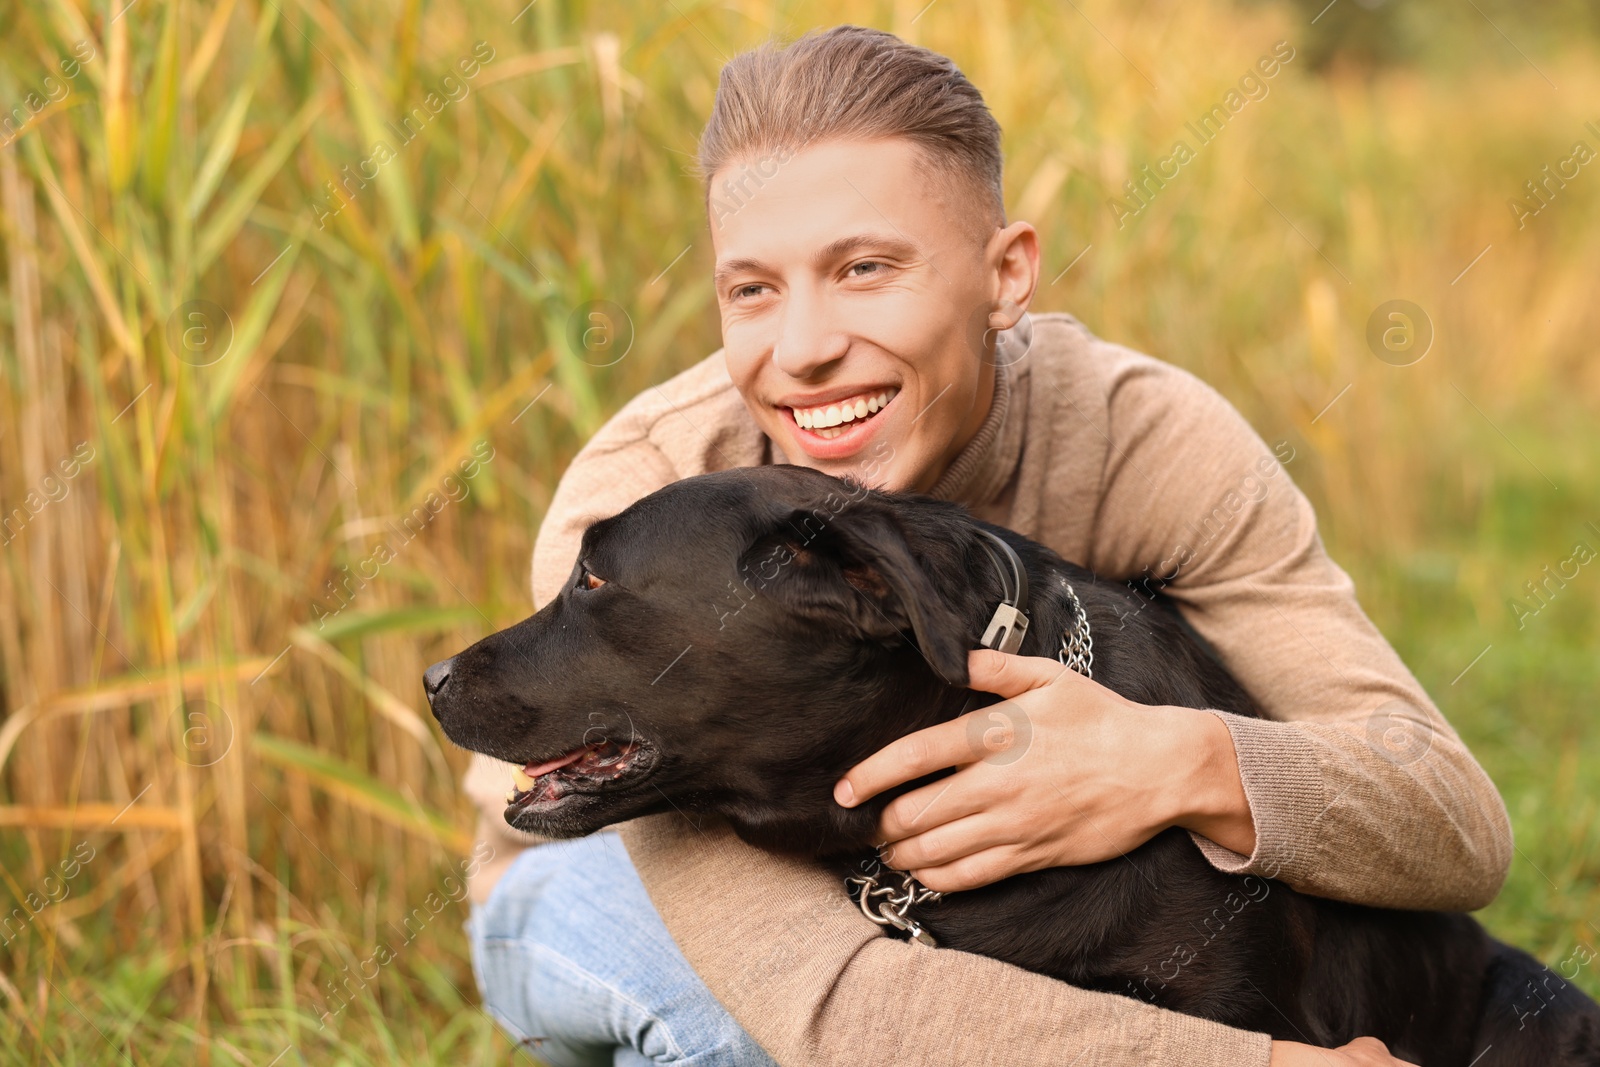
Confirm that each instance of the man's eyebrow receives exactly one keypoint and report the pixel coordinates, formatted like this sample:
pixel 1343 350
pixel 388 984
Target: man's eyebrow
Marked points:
pixel 889 244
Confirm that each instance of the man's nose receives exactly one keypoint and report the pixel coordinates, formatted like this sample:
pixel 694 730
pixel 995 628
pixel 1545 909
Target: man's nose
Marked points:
pixel 436 677
pixel 808 340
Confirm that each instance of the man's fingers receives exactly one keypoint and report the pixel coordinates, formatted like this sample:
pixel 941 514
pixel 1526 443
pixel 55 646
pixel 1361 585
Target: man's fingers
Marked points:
pixel 974 871
pixel 1009 675
pixel 913 756
pixel 1371 1052
pixel 947 744
pixel 949 842
pixel 934 804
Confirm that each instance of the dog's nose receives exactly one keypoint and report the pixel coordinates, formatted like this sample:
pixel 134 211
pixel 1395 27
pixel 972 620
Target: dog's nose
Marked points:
pixel 436 677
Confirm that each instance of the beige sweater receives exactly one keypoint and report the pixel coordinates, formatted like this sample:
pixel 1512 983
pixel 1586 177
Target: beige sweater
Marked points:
pixel 1360 790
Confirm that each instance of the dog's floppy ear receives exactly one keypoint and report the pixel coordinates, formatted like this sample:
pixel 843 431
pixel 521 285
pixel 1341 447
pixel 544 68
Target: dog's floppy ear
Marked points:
pixel 857 568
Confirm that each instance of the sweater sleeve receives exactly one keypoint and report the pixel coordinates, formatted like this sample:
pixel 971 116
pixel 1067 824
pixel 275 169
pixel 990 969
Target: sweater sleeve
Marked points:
pixel 1359 788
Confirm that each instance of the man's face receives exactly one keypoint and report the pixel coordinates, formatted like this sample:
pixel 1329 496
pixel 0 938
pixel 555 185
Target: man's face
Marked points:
pixel 847 278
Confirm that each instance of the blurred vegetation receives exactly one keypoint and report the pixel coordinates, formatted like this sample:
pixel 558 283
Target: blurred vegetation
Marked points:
pixel 215 781
pixel 1439 35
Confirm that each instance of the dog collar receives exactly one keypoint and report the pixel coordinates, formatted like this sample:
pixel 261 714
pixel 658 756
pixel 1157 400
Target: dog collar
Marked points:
pixel 1009 624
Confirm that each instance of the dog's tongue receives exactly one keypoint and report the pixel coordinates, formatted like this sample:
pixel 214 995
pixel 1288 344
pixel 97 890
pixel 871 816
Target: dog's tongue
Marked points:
pixel 534 770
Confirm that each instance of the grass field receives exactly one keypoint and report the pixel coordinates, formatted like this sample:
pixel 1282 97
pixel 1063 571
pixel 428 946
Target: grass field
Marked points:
pixel 225 377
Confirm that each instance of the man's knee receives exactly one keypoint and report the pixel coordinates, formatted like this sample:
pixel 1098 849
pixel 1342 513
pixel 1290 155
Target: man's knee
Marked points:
pixel 553 893
pixel 568 949
pixel 548 953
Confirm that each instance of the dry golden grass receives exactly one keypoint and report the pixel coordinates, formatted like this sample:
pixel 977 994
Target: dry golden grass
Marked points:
pixel 189 696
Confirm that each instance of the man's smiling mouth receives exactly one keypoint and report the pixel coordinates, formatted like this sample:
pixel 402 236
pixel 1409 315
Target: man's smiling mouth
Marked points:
pixel 824 420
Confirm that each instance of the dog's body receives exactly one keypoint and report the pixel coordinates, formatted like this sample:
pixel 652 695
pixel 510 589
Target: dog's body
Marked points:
pixel 652 683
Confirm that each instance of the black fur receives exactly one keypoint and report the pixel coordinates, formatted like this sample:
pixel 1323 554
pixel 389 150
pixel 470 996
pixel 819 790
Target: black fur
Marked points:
pixel 762 630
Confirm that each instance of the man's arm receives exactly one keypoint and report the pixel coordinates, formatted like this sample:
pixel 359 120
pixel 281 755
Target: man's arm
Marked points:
pixel 782 946
pixel 1358 787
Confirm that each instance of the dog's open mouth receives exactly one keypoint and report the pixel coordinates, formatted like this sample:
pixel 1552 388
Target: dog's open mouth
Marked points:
pixel 591 769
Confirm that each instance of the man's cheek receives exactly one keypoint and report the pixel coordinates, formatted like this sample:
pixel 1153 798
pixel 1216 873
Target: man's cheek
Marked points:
pixel 748 348
pixel 741 365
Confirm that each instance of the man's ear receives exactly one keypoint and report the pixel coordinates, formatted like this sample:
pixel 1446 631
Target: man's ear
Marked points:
pixel 856 568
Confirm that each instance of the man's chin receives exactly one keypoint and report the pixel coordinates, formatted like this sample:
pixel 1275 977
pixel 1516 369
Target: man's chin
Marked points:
pixel 883 463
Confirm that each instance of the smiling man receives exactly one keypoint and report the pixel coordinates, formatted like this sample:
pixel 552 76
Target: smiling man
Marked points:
pixel 874 317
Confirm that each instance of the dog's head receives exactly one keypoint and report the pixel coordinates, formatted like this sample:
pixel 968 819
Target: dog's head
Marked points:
pixel 731 643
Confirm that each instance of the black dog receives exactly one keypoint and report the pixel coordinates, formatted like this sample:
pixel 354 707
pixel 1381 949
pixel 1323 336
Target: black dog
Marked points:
pixel 653 682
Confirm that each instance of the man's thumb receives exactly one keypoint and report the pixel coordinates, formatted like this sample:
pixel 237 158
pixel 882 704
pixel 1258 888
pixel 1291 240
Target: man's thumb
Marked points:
pixel 1009 675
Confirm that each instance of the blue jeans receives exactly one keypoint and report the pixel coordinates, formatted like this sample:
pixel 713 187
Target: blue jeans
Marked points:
pixel 573 961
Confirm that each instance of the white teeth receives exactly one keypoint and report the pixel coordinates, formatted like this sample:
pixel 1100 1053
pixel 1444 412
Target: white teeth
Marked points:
pixel 521 782
pixel 819 420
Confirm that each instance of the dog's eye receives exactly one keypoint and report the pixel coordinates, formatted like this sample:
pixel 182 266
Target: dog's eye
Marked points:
pixel 587 579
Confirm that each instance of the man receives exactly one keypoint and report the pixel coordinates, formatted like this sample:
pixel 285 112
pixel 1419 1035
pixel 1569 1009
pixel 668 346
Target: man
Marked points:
pixel 873 302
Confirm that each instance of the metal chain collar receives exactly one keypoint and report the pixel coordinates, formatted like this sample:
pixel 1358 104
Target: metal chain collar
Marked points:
pixel 891 903
pixel 1077 643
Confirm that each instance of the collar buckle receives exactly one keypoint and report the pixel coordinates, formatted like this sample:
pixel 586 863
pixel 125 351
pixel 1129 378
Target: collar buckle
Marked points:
pixel 1006 629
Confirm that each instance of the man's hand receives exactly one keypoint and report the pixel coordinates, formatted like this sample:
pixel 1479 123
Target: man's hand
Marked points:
pixel 1062 772
pixel 1362 1052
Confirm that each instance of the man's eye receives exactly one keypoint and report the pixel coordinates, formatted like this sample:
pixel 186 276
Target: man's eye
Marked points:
pixel 753 289
pixel 874 265
pixel 587 579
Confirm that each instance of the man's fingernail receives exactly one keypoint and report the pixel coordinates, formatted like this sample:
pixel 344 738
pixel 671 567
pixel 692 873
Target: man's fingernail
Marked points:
pixel 844 793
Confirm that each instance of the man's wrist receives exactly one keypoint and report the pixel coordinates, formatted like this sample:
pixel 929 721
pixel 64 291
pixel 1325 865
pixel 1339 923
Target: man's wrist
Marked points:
pixel 1210 799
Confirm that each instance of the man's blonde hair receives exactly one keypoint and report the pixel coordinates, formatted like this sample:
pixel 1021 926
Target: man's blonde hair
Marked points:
pixel 851 82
